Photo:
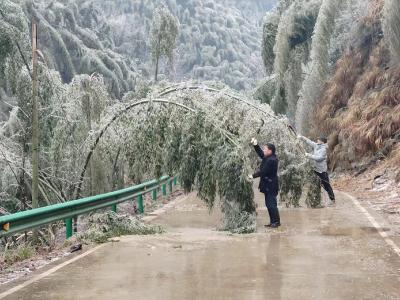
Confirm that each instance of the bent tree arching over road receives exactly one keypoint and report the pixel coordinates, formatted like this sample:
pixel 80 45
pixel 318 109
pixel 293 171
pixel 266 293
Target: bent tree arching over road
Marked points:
pixel 202 133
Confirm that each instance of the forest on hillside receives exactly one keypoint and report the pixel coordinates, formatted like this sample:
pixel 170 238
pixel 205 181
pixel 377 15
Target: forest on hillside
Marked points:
pixel 112 38
pixel 93 137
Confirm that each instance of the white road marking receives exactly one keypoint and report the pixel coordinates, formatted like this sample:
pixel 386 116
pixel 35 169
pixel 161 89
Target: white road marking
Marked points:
pixel 48 272
pixel 378 227
pixel 156 213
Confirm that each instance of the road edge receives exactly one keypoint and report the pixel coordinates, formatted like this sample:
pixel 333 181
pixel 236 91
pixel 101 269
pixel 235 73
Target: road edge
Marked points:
pixel 154 215
pixel 374 223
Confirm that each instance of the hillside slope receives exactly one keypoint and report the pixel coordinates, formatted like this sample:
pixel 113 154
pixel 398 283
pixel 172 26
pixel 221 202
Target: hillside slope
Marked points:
pixel 334 71
pixel 219 40
pixel 359 108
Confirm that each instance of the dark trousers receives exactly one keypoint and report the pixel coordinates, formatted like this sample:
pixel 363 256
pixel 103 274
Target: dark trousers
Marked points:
pixel 326 184
pixel 272 206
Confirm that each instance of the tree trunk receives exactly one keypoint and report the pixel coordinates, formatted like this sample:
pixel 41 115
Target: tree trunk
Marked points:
pixel 92 189
pixel 35 121
pixel 156 74
pixel 35 126
pixel 158 54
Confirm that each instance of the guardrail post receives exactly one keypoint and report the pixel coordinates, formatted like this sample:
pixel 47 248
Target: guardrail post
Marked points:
pixel 170 185
pixel 68 212
pixel 68 228
pixel 175 181
pixel 75 224
pixel 140 203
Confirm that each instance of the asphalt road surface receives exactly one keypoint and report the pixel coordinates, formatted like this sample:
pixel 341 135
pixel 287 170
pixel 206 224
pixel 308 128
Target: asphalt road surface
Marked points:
pixel 330 253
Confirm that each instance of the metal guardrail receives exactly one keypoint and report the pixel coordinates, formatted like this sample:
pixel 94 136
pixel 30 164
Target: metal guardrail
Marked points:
pixel 30 219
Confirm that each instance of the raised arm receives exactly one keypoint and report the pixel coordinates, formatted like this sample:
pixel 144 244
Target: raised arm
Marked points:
pixel 308 141
pixel 259 151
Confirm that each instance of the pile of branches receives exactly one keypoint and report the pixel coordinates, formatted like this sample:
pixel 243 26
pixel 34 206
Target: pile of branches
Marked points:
pixel 103 226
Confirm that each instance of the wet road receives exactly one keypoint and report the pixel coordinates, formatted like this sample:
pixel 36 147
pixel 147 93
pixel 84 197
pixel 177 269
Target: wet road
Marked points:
pixel 331 253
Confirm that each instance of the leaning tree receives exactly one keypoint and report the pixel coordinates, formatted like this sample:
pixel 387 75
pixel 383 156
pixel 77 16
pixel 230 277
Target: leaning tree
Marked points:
pixel 202 133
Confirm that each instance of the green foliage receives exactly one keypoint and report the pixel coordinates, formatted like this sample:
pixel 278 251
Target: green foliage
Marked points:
pixel 294 77
pixel 20 253
pixel 103 226
pixel 291 184
pixel 348 30
pixel 232 184
pixel 13 29
pixel 58 55
pixel 191 151
pixel 189 144
pixel 270 30
pixel 163 34
pixel 93 64
pixel 78 111
pixel 216 42
pixel 240 223
pixel 293 38
pixel 314 191
pixel 303 23
pixel 202 134
pixel 318 67
pixel 71 37
pixel 310 37
pixel 85 36
pixel 173 151
pixel 265 90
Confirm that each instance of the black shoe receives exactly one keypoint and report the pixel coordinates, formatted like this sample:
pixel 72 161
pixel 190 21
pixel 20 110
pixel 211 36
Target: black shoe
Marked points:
pixel 275 225
pixel 332 203
pixel 269 225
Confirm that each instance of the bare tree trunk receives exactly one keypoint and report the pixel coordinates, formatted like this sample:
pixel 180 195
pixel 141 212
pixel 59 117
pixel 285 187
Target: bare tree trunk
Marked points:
pixel 92 188
pixel 156 75
pixel 21 183
pixel 35 123
pixel 116 173
pixel 22 186
pixel 158 54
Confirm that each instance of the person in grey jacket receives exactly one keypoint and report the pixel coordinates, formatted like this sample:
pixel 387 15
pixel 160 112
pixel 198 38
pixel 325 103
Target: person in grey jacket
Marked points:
pixel 319 157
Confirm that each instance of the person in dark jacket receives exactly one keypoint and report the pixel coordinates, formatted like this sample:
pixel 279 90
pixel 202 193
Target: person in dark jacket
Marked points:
pixel 269 184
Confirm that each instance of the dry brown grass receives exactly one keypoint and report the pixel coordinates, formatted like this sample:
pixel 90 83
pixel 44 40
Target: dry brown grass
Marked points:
pixel 395 157
pixel 360 107
pixel 338 92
